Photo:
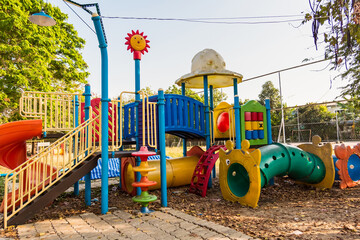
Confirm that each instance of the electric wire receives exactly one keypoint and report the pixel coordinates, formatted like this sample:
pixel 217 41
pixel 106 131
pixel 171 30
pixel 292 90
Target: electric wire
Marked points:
pixel 80 17
pixel 194 20
pixel 214 20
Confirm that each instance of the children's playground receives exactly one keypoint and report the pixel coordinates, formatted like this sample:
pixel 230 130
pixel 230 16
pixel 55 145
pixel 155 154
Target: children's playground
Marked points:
pixel 240 179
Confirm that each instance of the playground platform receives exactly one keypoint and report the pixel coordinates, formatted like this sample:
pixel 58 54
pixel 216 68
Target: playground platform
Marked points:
pixel 164 224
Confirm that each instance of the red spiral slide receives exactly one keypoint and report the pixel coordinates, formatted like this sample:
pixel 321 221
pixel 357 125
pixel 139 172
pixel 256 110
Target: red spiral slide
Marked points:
pixel 13 138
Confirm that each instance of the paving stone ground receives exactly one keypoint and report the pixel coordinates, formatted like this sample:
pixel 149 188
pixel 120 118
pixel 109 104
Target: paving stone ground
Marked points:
pixel 166 224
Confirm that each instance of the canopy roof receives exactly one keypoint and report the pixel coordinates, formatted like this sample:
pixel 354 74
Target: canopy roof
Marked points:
pixel 210 63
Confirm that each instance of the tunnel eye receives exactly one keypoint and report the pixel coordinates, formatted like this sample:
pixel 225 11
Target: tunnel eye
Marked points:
pixel 234 173
pixel 227 161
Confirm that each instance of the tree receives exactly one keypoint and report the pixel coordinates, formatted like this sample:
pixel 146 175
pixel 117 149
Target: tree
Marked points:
pixel 270 92
pixel 338 18
pixel 218 96
pixel 317 118
pixel 34 58
pixel 349 112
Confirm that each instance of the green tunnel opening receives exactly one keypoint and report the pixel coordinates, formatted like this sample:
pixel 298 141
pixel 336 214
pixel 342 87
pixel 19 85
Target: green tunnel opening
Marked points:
pixel 238 180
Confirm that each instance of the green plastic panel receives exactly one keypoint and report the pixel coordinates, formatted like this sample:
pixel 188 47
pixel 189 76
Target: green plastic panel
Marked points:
pixel 253 106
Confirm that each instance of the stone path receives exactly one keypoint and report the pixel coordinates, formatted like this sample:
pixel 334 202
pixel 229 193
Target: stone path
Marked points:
pixel 166 224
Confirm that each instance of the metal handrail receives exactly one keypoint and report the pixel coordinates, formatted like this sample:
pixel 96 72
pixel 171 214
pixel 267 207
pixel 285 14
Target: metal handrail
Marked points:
pixel 149 121
pixel 55 109
pixel 30 179
pixel 231 113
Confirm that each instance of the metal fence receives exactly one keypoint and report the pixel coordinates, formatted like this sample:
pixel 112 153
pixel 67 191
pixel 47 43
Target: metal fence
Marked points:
pixel 335 130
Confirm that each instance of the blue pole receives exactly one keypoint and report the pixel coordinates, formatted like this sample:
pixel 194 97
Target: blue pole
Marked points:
pixel 104 114
pixel 118 138
pixel 206 105
pixel 161 109
pixel 237 116
pixel 268 120
pixel 184 139
pixel 87 95
pixel 207 124
pixel 137 100
pixel 268 129
pixel 76 123
pixel 212 126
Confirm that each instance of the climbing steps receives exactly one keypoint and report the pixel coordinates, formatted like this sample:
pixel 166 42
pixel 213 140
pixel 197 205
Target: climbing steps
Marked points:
pixel 53 191
pixel 203 169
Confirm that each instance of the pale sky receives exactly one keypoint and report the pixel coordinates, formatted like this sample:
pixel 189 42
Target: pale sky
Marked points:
pixel 249 49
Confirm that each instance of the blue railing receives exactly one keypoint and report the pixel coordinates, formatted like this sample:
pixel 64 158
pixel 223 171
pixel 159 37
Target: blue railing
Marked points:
pixel 129 121
pixel 184 117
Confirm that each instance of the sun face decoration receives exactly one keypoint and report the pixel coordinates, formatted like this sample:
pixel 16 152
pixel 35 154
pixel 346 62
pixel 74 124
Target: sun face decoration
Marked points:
pixel 137 43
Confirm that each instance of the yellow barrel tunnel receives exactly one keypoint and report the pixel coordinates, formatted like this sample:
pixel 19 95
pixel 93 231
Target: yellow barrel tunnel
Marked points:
pixel 178 172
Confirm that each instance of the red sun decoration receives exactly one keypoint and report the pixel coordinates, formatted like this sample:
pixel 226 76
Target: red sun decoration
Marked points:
pixel 137 43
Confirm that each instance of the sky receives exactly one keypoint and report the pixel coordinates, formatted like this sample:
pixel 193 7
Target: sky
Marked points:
pixel 249 49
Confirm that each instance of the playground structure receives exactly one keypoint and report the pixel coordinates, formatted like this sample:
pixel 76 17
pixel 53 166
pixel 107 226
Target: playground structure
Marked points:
pixel 347 164
pixel 244 170
pixel 144 198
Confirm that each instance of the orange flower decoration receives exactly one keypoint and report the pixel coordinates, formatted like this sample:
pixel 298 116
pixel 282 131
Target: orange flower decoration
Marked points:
pixel 137 43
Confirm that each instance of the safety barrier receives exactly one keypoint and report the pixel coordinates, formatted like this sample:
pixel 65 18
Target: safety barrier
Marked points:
pixel 127 124
pixel 57 110
pixel 39 173
pixel 184 117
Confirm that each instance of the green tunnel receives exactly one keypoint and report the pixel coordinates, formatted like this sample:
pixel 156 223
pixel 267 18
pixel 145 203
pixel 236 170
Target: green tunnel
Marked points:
pixel 278 160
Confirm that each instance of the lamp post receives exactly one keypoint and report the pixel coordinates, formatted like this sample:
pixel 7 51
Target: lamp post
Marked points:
pixel 43 19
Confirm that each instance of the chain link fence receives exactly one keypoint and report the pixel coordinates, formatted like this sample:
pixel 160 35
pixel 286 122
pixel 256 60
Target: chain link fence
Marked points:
pixel 338 129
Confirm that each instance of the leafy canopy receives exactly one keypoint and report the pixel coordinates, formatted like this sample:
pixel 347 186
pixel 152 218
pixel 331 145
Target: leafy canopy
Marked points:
pixel 341 34
pixel 268 91
pixel 34 58
pixel 218 96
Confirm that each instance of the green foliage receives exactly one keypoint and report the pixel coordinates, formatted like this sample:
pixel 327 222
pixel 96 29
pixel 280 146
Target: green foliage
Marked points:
pixel 174 89
pixel 270 92
pixel 311 116
pixel 342 38
pixel 218 96
pixel 148 91
pixel 349 110
pixel 312 113
pixel 34 58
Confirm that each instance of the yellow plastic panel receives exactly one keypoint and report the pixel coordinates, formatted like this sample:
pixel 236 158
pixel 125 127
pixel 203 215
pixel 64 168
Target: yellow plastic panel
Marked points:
pixel 250 162
pixel 223 107
pixel 325 154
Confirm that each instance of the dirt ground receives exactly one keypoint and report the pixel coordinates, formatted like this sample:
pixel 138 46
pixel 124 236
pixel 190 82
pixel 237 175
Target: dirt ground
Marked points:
pixel 286 210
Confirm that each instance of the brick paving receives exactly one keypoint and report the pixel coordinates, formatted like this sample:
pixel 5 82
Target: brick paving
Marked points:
pixel 166 224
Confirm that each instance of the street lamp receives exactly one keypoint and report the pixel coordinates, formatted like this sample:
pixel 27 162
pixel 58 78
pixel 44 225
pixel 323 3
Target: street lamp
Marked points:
pixel 43 19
